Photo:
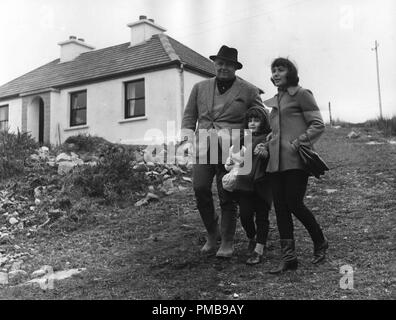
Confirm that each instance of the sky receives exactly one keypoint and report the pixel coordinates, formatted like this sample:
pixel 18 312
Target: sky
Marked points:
pixel 330 41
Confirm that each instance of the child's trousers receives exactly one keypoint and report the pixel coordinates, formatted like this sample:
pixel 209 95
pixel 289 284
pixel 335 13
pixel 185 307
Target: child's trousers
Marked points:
pixel 254 213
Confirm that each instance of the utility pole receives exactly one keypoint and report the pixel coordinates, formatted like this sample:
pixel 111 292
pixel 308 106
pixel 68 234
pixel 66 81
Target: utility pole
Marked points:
pixel 378 80
pixel 331 119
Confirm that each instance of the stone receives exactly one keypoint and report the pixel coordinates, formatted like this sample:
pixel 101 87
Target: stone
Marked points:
pixel 74 156
pixel 51 163
pixel 16 265
pixel 3 261
pixel 63 157
pixel 37 202
pixel 150 164
pixel 38 273
pixel 353 135
pixel 13 221
pixel 38 192
pixel 65 167
pixel 140 167
pixel 58 275
pixel 17 276
pixel 3 278
pixel 138 156
pixel 176 170
pixel 43 152
pixel 35 157
pixel 330 190
pixel 146 199
pixel 152 196
pixel 141 202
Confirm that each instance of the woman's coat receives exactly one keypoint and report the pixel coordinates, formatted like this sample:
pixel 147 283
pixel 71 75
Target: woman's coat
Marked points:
pixel 295 119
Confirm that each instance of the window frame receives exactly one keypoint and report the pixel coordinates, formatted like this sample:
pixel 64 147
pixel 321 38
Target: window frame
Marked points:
pixel 73 110
pixel 8 116
pixel 126 100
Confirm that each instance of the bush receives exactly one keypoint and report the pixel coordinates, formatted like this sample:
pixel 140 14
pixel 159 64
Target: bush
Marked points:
pixel 386 125
pixel 15 149
pixel 86 142
pixel 113 177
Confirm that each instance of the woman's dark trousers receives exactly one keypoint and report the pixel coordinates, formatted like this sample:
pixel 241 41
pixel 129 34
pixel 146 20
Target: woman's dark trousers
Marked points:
pixel 288 189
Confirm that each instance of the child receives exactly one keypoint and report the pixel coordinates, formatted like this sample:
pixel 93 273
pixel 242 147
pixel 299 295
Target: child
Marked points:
pixel 253 190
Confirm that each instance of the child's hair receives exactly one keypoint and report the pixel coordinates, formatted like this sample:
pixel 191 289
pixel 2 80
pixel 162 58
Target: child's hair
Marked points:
pixel 292 73
pixel 259 114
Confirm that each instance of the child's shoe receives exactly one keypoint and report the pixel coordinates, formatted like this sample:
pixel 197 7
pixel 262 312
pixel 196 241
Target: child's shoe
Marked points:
pixel 255 258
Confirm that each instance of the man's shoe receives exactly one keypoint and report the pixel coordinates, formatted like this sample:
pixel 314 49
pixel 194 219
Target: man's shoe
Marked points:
pixel 211 243
pixel 226 249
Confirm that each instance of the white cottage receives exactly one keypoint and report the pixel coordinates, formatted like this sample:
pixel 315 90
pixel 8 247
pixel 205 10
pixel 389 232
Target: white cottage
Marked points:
pixel 118 93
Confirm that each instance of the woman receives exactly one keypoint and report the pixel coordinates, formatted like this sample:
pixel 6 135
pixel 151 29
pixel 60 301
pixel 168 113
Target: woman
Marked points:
pixel 295 119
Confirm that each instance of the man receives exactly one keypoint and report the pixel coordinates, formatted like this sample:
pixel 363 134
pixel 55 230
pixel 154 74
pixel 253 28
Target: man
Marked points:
pixel 216 104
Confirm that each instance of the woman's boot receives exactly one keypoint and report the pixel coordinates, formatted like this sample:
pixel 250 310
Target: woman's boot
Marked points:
pixel 289 258
pixel 320 251
pixel 320 246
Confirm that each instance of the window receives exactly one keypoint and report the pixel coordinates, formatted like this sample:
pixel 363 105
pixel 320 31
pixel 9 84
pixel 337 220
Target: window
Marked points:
pixel 78 108
pixel 3 117
pixel 134 99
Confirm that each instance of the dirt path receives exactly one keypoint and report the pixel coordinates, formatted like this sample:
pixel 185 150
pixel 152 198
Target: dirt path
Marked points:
pixel 153 252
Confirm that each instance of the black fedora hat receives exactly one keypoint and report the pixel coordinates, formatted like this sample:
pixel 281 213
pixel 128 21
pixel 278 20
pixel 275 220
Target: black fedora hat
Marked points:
pixel 229 54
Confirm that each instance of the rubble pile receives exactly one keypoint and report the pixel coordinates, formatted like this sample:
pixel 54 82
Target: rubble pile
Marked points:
pixel 38 199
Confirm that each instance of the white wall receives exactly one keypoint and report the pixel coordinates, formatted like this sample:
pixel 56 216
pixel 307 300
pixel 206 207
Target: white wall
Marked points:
pixel 33 112
pixel 55 133
pixel 190 79
pixel 72 49
pixel 14 113
pixel 105 108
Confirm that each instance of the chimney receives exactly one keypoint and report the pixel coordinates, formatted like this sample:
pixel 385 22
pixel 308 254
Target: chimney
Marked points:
pixel 143 30
pixel 72 48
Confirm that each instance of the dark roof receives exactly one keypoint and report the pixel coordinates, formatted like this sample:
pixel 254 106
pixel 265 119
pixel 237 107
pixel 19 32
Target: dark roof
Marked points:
pixel 116 61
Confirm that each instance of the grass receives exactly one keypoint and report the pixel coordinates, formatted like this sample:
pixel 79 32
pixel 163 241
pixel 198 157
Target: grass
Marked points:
pixel 153 252
pixel 387 126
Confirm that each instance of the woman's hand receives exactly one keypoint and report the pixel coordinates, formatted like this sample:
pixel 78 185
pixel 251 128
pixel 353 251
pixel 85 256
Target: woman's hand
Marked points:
pixel 295 144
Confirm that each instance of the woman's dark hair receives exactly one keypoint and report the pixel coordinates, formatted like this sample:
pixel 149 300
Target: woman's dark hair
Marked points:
pixel 292 73
pixel 264 121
